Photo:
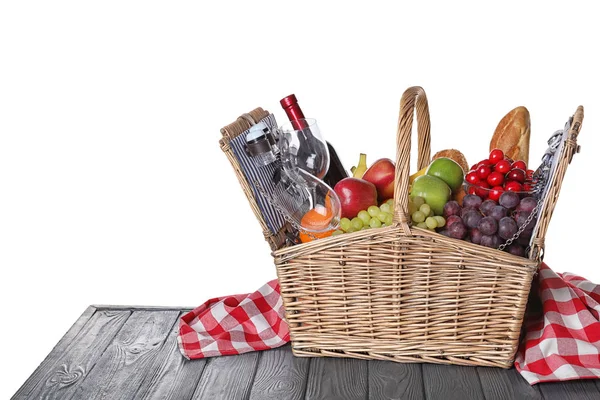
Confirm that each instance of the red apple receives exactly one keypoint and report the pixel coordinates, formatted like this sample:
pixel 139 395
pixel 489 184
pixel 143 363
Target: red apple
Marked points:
pixel 355 195
pixel 381 174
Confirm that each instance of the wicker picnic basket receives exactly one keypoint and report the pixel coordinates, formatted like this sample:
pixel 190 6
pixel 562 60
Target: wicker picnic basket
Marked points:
pixel 402 293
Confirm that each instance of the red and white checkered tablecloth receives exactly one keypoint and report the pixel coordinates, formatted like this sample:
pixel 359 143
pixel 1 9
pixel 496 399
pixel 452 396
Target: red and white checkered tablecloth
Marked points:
pixel 562 333
pixel 235 324
pixel 561 342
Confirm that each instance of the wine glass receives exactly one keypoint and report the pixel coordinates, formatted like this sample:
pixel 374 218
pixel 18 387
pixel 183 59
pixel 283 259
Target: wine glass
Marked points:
pixel 304 146
pixel 309 203
pixel 300 193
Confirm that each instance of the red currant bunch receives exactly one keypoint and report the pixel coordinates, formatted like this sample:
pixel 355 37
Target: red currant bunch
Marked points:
pixel 493 176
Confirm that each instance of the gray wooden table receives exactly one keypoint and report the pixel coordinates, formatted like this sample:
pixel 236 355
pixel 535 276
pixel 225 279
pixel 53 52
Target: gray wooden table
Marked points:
pixel 115 352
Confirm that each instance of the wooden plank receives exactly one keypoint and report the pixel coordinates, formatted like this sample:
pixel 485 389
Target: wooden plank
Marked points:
pixel 171 376
pixel 337 379
pixel 56 352
pixel 122 367
pixel 451 382
pixel 228 377
pixel 502 384
pixel 571 390
pixel 280 375
pixel 142 308
pixel 60 379
pixel 390 380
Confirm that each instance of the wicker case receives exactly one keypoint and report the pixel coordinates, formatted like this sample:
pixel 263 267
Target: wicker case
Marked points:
pixel 402 293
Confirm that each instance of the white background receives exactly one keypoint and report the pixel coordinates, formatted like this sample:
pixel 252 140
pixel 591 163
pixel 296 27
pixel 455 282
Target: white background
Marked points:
pixel 113 189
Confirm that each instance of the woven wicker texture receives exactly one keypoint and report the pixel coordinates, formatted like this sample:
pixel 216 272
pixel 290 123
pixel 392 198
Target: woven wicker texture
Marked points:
pixel 402 293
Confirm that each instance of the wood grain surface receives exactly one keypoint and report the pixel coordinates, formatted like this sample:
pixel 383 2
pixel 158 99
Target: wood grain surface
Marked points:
pixel 63 377
pixel 454 383
pixel 500 384
pixel 120 371
pixel 171 377
pixel 337 379
pixel 280 375
pixel 389 380
pixel 131 353
pixel 572 390
pixel 56 352
pixel 228 377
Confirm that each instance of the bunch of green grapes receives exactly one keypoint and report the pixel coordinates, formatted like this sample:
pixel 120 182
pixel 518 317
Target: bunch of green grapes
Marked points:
pixel 372 217
pixel 422 215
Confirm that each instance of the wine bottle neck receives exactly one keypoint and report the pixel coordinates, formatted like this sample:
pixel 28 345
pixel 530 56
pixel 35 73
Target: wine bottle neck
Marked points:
pixel 293 112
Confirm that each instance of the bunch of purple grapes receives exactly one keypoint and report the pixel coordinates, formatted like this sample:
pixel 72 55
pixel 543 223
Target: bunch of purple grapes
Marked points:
pixel 489 223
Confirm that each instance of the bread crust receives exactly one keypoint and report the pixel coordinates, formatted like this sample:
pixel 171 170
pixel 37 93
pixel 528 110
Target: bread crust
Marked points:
pixel 512 135
pixel 455 156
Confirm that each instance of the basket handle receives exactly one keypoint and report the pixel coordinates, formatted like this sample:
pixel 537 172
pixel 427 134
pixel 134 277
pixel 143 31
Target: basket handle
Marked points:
pixel 545 214
pixel 413 98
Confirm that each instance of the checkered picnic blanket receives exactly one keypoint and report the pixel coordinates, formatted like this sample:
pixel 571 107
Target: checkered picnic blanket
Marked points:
pixel 562 330
pixel 561 340
pixel 235 324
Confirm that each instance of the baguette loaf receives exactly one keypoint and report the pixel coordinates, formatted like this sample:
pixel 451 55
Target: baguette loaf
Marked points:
pixel 512 135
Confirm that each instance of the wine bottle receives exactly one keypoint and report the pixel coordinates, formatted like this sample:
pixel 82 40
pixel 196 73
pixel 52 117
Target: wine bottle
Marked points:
pixel 293 111
pixel 336 170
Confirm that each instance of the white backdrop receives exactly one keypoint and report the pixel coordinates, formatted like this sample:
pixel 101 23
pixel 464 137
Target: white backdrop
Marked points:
pixel 113 189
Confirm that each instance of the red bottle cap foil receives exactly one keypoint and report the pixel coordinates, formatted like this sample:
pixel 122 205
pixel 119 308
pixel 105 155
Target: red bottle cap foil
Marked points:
pixel 294 113
pixel 288 101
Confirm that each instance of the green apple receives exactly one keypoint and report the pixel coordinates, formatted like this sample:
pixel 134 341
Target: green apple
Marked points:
pixel 448 171
pixel 434 190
